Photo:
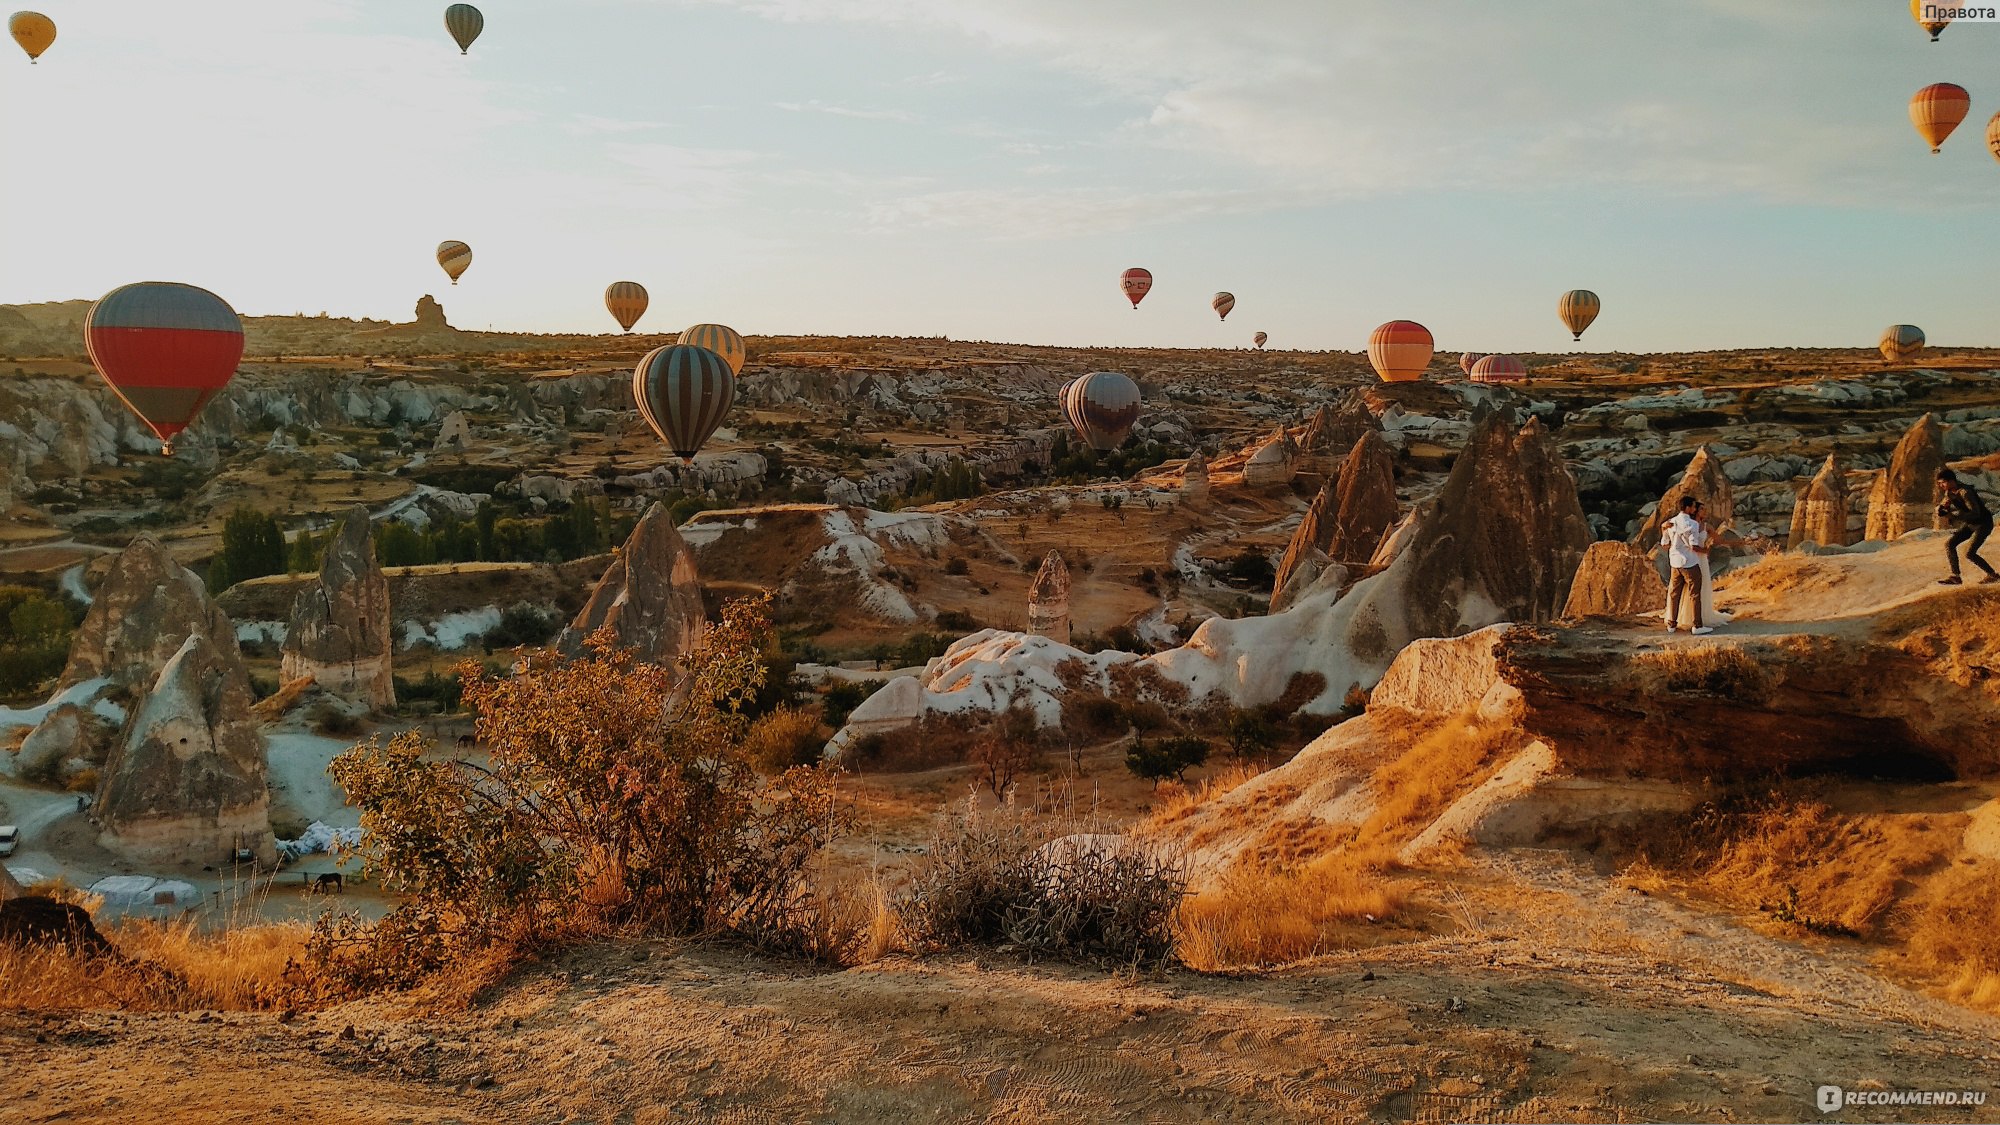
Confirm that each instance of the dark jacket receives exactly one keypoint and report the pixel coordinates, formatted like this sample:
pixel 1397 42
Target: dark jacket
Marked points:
pixel 1965 508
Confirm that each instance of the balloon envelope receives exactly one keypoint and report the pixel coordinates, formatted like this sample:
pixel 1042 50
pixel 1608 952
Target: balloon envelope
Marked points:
pixel 1223 303
pixel 627 302
pixel 165 349
pixel 1937 109
pixel 33 31
pixel 1400 350
pixel 1466 361
pixel 1499 369
pixel 1136 283
pixel 1102 407
pixel 721 340
pixel 1993 136
pixel 1578 308
pixel 456 258
pixel 684 393
pixel 1260 338
pixel 465 23
pixel 1901 341
pixel 1934 26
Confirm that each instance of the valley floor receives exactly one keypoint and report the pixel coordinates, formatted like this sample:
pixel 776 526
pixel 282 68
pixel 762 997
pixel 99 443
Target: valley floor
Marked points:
pixel 1557 996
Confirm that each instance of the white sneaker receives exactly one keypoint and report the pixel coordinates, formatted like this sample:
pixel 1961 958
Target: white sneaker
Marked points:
pixel 1702 631
pixel 1673 628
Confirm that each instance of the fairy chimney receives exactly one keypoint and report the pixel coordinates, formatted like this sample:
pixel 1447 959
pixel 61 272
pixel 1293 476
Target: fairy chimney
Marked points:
pixel 1820 513
pixel 1904 496
pixel 1048 600
pixel 1194 478
pixel 339 633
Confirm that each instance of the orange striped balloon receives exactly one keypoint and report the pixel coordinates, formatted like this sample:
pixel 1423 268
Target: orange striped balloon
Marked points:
pixel 1993 136
pixel 1466 361
pixel 1222 304
pixel 1499 369
pixel 720 340
pixel 1901 341
pixel 1937 109
pixel 1400 350
pixel 456 258
pixel 627 302
pixel 1925 12
pixel 1260 338
pixel 1578 308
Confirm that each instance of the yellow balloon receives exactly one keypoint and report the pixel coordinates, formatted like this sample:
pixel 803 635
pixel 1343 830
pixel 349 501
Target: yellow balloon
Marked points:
pixel 456 258
pixel 722 341
pixel 627 301
pixel 33 31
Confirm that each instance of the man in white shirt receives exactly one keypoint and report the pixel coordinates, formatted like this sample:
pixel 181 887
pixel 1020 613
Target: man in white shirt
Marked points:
pixel 1686 541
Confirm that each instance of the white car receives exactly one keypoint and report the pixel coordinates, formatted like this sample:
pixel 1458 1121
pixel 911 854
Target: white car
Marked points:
pixel 10 838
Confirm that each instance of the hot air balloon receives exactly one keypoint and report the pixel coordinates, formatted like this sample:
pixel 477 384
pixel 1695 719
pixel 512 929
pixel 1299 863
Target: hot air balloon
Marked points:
pixel 718 339
pixel 166 349
pixel 1260 338
pixel 1466 361
pixel 683 392
pixel 1222 304
pixel 627 302
pixel 33 31
pixel 1937 109
pixel 1578 308
pixel 1901 341
pixel 1400 350
pixel 1102 406
pixel 1136 283
pixel 465 23
pixel 1993 136
pixel 456 258
pixel 1934 26
pixel 1499 369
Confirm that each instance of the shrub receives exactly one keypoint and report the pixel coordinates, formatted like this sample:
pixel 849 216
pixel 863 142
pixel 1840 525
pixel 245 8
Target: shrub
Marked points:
pixel 521 624
pixel 1002 877
pixel 1008 747
pixel 333 721
pixel 83 781
pixel 840 700
pixel 1156 761
pixel 617 795
pixel 784 738
pixel 956 565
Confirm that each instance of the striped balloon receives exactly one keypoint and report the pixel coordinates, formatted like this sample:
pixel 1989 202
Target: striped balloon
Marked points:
pixel 165 349
pixel 1928 22
pixel 1102 407
pixel 1260 338
pixel 456 258
pixel 627 302
pixel 1901 341
pixel 1136 283
pixel 1223 303
pixel 1400 350
pixel 1993 136
pixel 1936 110
pixel 1466 361
pixel 34 31
pixel 465 23
pixel 1578 308
pixel 1499 369
pixel 720 340
pixel 684 393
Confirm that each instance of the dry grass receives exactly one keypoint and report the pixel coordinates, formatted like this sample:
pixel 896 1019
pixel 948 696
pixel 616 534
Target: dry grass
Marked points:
pixel 1421 783
pixel 1256 918
pixel 167 966
pixel 1175 799
pixel 1713 670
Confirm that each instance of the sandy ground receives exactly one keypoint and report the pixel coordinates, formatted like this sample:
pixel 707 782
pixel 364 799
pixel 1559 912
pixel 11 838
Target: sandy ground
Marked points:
pixel 1559 997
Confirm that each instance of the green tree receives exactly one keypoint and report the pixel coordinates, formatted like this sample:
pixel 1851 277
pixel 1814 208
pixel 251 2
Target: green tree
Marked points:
pixel 252 547
pixel 38 621
pixel 399 544
pixel 485 520
pixel 1158 760
pixel 304 556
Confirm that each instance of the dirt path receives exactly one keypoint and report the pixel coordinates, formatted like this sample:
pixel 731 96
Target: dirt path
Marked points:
pixel 1482 1026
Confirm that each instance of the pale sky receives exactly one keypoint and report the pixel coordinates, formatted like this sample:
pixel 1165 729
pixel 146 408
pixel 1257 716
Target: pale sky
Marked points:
pixel 1725 173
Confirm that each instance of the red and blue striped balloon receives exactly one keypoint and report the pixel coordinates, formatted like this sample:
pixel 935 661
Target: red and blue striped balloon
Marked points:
pixel 684 392
pixel 166 349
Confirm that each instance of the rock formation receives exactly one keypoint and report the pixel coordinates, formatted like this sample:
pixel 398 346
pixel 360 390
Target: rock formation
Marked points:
pixel 1194 478
pixel 650 595
pixel 1274 464
pixel 1904 496
pixel 186 784
pixel 455 433
pixel 430 315
pixel 1332 432
pixel 1615 580
pixel 1819 515
pixel 1048 600
pixel 1306 556
pixel 339 633
pixel 1366 502
pixel 147 605
pixel 1705 481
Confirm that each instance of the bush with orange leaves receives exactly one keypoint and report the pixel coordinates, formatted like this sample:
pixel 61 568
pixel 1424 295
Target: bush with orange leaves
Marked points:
pixel 617 796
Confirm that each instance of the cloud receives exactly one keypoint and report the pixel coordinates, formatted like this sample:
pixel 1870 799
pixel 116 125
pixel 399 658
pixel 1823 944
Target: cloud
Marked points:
pixel 817 106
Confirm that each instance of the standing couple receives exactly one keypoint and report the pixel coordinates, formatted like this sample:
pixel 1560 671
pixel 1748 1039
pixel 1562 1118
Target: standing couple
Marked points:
pixel 1687 540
